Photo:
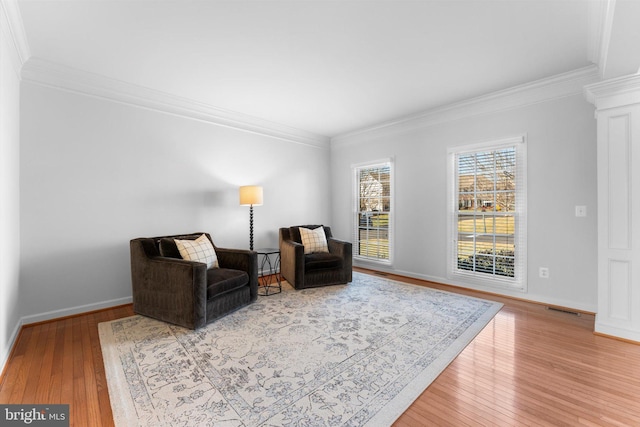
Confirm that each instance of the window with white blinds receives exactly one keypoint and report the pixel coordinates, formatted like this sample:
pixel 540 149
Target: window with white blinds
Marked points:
pixel 488 213
pixel 373 211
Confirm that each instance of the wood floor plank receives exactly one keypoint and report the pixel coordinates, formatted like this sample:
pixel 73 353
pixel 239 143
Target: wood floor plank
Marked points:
pixel 46 365
pixel 25 376
pixel 11 377
pixel 90 375
pixel 105 414
pixel 66 391
pixel 55 382
pixel 78 410
pixel 529 367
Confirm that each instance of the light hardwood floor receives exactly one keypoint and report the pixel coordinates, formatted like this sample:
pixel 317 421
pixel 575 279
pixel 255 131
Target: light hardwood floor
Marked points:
pixel 529 366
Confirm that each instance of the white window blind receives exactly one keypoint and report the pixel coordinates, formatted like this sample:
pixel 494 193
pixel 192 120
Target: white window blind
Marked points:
pixel 373 212
pixel 488 213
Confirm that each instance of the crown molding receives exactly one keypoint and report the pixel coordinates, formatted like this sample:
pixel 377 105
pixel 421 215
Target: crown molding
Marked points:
pixel 614 93
pixel 555 87
pixel 600 24
pixel 57 76
pixel 13 29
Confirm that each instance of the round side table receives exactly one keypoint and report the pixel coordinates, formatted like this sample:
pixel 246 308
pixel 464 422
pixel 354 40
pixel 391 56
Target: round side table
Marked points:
pixel 265 286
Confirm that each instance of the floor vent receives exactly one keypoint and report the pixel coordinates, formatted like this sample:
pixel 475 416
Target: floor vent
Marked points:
pixel 575 313
pixel 380 273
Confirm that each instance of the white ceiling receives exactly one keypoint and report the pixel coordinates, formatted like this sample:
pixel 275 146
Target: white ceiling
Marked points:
pixel 326 67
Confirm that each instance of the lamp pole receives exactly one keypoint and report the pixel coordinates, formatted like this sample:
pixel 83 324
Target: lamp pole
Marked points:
pixel 250 227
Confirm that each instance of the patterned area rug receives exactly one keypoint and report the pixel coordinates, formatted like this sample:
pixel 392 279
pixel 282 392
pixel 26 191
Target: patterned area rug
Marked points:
pixel 355 355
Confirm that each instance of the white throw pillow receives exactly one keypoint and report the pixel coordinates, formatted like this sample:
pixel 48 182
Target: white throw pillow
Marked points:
pixel 314 240
pixel 200 250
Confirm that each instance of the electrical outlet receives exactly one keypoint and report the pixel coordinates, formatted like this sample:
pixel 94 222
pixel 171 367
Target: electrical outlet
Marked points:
pixel 543 272
pixel 581 211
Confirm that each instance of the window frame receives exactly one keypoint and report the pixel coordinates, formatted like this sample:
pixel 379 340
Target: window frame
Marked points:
pixel 356 168
pixel 476 278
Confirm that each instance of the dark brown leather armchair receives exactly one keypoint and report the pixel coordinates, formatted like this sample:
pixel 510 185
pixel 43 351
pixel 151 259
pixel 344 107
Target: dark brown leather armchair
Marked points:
pixel 169 288
pixel 318 269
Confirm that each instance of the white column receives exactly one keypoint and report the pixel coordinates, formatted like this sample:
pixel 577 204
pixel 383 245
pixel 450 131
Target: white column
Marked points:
pixel 617 104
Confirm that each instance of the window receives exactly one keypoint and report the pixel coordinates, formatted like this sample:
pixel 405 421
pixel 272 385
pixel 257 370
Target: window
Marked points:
pixel 373 212
pixel 487 221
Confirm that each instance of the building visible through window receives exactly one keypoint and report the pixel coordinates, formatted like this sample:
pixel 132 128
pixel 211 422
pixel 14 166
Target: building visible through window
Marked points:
pixel 489 216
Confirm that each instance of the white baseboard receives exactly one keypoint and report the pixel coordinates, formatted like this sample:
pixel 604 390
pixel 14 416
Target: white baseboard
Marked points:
pixel 587 308
pixel 615 331
pixel 49 315
pixel 12 340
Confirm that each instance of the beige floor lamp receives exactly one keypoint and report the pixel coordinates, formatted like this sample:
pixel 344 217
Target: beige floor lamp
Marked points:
pixel 251 195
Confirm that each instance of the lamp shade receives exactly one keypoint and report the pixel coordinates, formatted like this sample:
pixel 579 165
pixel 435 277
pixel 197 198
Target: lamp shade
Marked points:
pixel 250 195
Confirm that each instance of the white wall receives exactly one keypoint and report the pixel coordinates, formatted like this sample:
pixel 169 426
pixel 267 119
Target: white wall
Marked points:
pixel 96 173
pixel 561 174
pixel 9 194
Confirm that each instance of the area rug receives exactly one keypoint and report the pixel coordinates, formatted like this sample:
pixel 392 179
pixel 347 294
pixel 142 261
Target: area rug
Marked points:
pixel 347 355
